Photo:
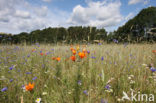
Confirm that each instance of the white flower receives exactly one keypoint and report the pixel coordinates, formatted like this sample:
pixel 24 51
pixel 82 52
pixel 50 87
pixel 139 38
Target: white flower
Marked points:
pixel 129 78
pixel 45 86
pixel 132 76
pixel 23 88
pixel 110 80
pixel 38 100
pixel 132 82
pixel 44 93
pixel 109 91
pixel 144 65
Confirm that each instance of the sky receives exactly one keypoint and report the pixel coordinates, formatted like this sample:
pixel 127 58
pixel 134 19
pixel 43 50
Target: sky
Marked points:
pixel 27 15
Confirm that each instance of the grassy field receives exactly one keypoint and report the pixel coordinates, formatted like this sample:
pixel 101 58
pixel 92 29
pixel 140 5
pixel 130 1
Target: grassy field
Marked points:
pixel 99 76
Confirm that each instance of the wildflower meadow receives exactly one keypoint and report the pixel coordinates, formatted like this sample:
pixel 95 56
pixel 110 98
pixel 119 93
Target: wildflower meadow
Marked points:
pixel 90 73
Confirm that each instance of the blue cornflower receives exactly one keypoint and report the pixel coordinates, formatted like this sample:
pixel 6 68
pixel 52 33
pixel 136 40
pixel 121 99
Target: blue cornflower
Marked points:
pixel 152 69
pixel 85 92
pixel 102 58
pixel 79 82
pixel 107 87
pixel 11 80
pixel 115 41
pixel 93 57
pixel 88 52
pixel 28 73
pixel 34 78
pixel 4 89
pixel 103 101
pixel 11 67
pixel 28 55
pixel 99 44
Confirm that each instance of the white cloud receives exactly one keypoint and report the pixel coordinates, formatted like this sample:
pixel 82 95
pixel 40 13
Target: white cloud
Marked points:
pixel 41 11
pixel 138 1
pixel 21 16
pixel 47 0
pixel 101 14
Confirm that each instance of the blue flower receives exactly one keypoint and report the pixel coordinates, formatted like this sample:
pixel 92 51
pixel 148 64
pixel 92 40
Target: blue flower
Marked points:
pixel 93 57
pixel 28 55
pixel 85 92
pixel 28 73
pixel 4 89
pixel 152 69
pixel 115 41
pixel 102 58
pixel 11 80
pixel 103 101
pixel 11 67
pixel 88 52
pixel 34 78
pixel 99 44
pixel 107 87
pixel 79 82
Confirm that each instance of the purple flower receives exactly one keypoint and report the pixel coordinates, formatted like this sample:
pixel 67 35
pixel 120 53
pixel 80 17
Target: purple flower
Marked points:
pixel 99 44
pixel 100 74
pixel 93 57
pixel 115 41
pixel 102 58
pixel 28 73
pixel 152 69
pixel 37 43
pixel 88 52
pixel 11 67
pixel 28 55
pixel 79 82
pixel 34 78
pixel 107 87
pixel 85 92
pixel 11 80
pixel 103 101
pixel 43 66
pixel 4 89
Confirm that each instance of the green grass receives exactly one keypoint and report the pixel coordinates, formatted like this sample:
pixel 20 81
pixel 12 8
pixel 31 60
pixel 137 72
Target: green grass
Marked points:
pixel 60 79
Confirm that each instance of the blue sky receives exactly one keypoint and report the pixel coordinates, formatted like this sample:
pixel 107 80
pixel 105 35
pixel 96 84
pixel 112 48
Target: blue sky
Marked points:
pixel 26 15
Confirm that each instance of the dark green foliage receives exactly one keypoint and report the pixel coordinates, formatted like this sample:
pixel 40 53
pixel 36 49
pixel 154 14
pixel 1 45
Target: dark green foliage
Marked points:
pixel 55 35
pixel 137 29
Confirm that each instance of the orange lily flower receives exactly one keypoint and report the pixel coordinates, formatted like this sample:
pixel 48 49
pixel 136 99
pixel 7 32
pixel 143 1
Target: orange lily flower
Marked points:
pixel 29 87
pixel 73 58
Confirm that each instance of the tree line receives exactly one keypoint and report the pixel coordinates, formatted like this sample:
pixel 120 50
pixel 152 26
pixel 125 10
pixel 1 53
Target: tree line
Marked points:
pixel 142 28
